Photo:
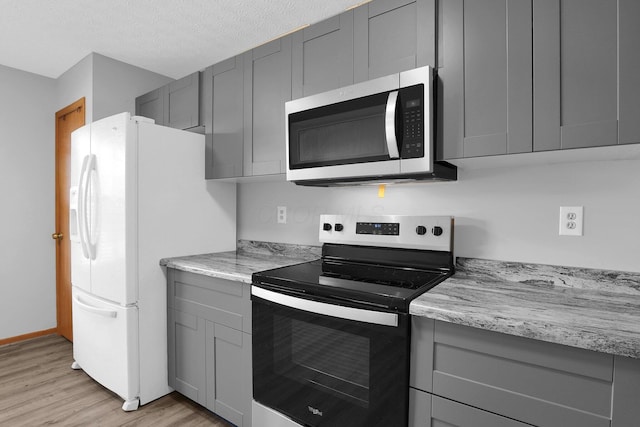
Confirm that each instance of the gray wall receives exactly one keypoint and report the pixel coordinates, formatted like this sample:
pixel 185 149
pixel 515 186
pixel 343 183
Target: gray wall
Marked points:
pixel 109 86
pixel 27 287
pixel 504 212
pixel 27 172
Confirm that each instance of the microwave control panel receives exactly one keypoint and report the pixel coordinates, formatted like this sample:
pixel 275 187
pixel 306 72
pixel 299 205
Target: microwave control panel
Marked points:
pixel 412 108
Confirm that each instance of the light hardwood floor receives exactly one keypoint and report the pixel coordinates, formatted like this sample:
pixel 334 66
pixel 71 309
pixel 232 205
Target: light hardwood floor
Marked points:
pixel 38 387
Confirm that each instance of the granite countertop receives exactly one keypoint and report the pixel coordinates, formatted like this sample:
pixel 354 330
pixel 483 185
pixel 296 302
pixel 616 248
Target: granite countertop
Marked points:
pixel 249 257
pixel 592 309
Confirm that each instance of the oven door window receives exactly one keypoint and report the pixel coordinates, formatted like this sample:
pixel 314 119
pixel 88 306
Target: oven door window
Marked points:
pixel 325 371
pixel 347 132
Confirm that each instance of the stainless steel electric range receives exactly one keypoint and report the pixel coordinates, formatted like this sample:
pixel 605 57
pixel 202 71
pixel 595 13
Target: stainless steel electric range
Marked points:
pixel 331 337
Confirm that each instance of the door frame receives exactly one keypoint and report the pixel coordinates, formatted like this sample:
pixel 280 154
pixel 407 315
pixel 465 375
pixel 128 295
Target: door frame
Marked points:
pixel 63 260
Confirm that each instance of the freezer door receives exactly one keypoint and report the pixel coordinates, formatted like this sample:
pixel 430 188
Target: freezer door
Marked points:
pixel 105 343
pixel 80 262
pixel 113 212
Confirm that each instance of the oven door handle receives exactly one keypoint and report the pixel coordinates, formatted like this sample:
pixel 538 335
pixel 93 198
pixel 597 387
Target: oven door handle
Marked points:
pixel 349 313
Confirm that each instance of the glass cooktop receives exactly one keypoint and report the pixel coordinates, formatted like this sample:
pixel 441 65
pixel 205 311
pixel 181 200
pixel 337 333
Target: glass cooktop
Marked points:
pixel 352 283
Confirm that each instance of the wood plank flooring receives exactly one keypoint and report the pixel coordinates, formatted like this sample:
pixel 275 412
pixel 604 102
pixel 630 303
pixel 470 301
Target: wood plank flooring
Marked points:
pixel 38 387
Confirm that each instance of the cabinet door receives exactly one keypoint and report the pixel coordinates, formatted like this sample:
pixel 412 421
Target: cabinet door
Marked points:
pixel 151 105
pixel 485 73
pixel 391 36
pixel 267 86
pixel 447 413
pixel 629 63
pixel 186 345
pixel 575 73
pixel 323 56
pixel 224 146
pixel 229 383
pixel 183 102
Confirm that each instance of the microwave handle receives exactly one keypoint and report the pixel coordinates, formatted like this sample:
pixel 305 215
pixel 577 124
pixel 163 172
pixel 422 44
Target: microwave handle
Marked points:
pixel 390 125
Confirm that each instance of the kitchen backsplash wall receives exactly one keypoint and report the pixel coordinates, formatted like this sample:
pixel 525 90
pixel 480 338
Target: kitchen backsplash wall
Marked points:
pixel 508 213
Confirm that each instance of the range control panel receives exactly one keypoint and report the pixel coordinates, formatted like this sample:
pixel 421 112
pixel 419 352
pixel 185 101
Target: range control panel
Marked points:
pixel 396 231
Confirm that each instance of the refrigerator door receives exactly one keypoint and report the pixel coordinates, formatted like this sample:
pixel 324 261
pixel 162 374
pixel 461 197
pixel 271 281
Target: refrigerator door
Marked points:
pixel 109 337
pixel 80 262
pixel 113 204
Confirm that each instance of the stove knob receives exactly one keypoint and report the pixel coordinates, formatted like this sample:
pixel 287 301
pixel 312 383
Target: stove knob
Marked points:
pixel 338 227
pixel 437 231
pixel 326 226
pixel 421 230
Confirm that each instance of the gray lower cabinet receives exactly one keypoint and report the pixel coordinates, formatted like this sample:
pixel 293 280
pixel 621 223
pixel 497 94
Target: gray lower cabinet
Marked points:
pixel 586 80
pixel 391 36
pixel 267 86
pixel 176 104
pixel 469 375
pixel 209 343
pixel 432 411
pixel 484 91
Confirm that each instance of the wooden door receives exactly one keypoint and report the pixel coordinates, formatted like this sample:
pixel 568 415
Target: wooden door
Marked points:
pixel 68 119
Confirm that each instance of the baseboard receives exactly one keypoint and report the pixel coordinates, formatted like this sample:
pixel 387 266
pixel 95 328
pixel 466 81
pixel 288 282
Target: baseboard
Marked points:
pixel 28 336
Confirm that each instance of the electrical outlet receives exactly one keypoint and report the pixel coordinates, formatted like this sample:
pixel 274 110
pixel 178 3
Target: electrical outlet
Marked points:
pixel 282 214
pixel 571 220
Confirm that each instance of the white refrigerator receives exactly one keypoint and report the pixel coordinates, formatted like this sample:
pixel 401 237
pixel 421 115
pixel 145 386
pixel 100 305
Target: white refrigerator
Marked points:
pixel 138 194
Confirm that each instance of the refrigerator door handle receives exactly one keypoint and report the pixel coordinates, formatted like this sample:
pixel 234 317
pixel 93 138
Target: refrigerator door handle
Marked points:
pixel 91 168
pixel 81 207
pixel 95 310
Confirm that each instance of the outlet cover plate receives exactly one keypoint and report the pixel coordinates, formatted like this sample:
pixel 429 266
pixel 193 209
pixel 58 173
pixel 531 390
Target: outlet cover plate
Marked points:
pixel 571 220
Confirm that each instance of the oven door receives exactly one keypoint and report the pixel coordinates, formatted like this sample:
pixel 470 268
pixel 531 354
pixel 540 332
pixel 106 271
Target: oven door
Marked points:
pixel 329 365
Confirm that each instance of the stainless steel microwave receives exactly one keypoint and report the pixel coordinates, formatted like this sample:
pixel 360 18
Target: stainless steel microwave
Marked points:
pixel 380 130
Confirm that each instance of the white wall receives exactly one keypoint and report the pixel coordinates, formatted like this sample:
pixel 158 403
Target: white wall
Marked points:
pixel 27 284
pixel 505 213
pixel 75 83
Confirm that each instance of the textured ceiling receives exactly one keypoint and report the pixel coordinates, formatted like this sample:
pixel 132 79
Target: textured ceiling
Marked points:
pixel 170 37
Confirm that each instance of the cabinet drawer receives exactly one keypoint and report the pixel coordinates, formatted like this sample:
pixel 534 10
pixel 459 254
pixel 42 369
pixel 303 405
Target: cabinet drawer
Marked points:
pixel 532 381
pixel 225 302
pixel 448 413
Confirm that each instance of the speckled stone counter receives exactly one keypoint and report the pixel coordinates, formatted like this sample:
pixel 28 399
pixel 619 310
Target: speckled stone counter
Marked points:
pixel 591 309
pixel 239 265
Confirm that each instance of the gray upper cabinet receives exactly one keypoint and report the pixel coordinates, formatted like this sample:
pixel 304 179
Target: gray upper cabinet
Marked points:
pixel 176 104
pixel 485 77
pixel 151 105
pixel 391 36
pixel 267 86
pixel 629 64
pixel 225 137
pixel 183 102
pixel 322 56
pixel 586 84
